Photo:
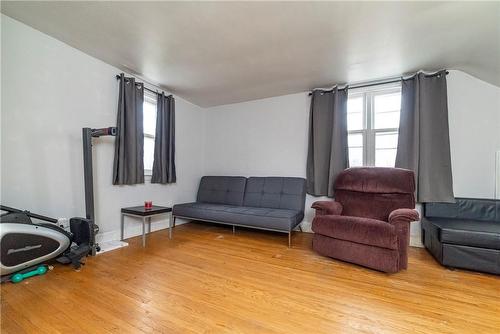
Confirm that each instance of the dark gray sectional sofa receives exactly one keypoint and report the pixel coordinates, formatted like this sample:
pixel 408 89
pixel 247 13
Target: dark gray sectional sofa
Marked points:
pixel 465 234
pixel 268 203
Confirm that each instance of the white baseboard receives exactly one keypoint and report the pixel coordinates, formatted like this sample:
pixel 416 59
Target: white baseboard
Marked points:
pixel 111 245
pixel 306 227
pixel 416 241
pixel 134 230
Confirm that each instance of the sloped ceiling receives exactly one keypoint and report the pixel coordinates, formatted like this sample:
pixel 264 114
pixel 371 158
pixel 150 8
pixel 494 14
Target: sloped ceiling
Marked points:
pixel 214 53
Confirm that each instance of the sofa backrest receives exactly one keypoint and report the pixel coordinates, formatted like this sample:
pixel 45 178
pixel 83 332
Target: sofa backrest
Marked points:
pixel 465 208
pixel 276 193
pixel 227 190
pixel 374 192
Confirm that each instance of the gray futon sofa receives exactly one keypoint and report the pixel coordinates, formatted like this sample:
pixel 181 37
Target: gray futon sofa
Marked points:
pixel 267 203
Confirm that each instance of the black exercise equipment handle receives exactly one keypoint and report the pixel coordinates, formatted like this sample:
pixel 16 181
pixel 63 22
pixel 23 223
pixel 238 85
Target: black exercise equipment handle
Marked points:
pixel 111 131
pixel 29 214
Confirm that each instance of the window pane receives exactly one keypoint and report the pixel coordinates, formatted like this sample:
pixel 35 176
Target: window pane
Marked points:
pixel 355 143
pixel 387 120
pixel 387 102
pixel 355 113
pixel 355 121
pixel 385 157
pixel 149 119
pixel 355 140
pixel 355 104
pixel 149 145
pixel 386 110
pixel 386 144
pixel 355 156
pixel 386 140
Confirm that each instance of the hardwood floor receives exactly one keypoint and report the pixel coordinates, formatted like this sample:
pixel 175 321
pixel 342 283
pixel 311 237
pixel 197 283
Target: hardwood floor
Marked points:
pixel 207 280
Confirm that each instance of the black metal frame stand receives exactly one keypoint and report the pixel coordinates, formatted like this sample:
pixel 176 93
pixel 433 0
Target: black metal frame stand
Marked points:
pixel 87 134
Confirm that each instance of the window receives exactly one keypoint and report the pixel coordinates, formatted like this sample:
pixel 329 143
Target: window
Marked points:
pixel 149 128
pixel 372 123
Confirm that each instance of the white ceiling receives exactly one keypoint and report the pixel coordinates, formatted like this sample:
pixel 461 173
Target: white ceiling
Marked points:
pixel 214 53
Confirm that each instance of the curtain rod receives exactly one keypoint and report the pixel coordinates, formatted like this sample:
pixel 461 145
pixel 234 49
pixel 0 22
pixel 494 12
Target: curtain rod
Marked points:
pixel 118 77
pixel 375 83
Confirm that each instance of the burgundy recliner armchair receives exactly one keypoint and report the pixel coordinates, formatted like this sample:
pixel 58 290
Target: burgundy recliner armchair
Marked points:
pixel 368 223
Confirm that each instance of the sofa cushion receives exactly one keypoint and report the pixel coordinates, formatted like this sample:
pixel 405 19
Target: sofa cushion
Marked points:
pixel 222 190
pixel 466 208
pixel 203 211
pixel 266 218
pixel 365 231
pixel 467 232
pixel 276 192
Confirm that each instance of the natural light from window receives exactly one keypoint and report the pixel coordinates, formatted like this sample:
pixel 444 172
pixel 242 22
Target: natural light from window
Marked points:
pixel 149 128
pixel 372 123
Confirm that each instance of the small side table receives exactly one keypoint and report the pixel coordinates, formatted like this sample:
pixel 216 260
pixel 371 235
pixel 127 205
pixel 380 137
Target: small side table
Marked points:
pixel 146 214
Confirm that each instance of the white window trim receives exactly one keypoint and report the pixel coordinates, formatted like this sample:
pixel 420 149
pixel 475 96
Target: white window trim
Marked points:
pixel 369 132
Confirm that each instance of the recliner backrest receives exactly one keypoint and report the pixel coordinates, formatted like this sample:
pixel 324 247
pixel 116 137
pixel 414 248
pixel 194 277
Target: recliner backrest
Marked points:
pixel 227 190
pixel 276 193
pixel 374 192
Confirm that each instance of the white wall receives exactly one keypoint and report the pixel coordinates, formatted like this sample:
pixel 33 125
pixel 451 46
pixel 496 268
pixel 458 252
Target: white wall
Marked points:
pixel 474 118
pixel 49 92
pixel 266 137
pixel 269 137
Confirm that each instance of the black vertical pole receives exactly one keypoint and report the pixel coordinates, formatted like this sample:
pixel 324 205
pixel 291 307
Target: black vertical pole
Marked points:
pixel 87 134
pixel 89 185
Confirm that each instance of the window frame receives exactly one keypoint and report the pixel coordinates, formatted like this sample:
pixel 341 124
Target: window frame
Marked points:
pixel 150 98
pixel 369 132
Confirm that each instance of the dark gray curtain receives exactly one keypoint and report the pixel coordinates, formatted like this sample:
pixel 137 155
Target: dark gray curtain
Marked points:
pixel 424 142
pixel 128 167
pixel 164 155
pixel 328 152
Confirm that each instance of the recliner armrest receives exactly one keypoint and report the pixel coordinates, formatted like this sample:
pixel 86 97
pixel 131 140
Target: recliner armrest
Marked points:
pixel 403 215
pixel 401 219
pixel 327 208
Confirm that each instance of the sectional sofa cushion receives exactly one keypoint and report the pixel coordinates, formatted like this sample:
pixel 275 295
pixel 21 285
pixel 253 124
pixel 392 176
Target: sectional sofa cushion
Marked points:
pixel 465 208
pixel 228 190
pixel 264 218
pixel 467 232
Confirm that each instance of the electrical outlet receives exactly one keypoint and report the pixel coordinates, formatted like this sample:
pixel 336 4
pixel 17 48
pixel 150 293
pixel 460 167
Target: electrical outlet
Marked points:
pixel 63 222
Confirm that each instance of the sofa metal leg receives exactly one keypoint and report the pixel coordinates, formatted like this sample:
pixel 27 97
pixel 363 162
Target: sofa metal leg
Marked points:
pixel 289 239
pixel 173 221
pixel 300 228
pixel 234 229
